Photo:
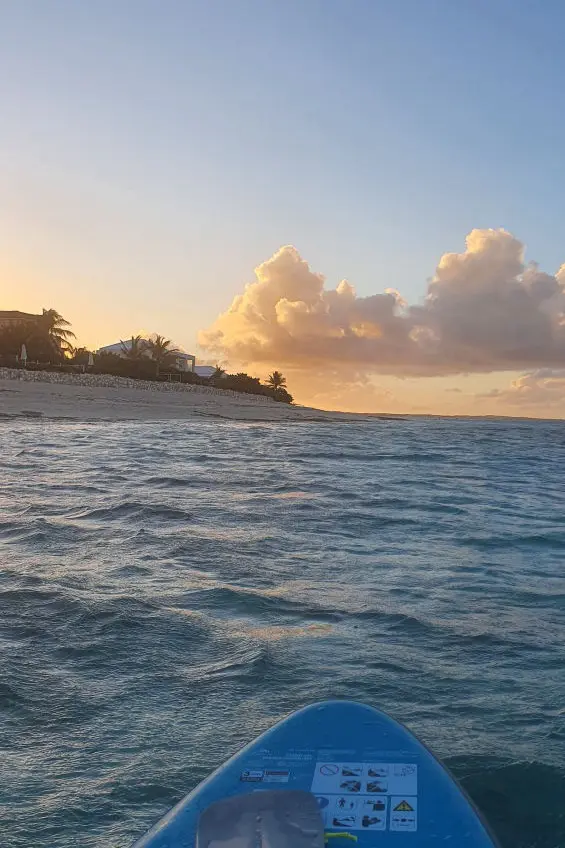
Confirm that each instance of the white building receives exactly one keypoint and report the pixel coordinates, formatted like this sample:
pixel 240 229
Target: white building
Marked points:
pixel 205 371
pixel 183 361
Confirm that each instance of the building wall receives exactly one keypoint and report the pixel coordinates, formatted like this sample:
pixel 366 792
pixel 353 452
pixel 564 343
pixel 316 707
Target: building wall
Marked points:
pixel 8 317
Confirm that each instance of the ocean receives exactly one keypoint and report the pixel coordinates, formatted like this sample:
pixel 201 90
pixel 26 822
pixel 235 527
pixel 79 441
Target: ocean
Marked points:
pixel 170 590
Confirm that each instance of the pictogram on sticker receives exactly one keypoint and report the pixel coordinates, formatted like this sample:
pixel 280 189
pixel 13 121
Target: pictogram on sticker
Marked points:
pixel 329 769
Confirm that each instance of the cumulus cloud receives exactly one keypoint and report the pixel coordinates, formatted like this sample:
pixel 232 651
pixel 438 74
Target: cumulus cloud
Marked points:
pixel 544 387
pixel 485 310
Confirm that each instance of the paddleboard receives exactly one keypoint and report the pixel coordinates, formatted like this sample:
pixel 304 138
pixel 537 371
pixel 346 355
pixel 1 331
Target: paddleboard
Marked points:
pixel 373 783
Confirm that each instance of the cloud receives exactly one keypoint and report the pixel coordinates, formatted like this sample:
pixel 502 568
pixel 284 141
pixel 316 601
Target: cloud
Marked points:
pixel 485 310
pixel 544 387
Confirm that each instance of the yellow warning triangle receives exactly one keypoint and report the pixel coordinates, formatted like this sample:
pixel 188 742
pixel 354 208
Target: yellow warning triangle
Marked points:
pixel 403 807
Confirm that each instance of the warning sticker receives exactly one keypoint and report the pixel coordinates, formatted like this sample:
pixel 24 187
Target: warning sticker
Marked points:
pixel 367 796
pixel 403 814
pixel 403 807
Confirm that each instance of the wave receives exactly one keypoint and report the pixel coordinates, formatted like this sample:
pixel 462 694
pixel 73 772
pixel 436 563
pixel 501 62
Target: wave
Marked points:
pixel 168 592
pixel 237 600
pixel 133 510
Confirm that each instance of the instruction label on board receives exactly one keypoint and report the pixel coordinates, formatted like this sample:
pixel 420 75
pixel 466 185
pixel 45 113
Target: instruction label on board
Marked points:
pixel 367 796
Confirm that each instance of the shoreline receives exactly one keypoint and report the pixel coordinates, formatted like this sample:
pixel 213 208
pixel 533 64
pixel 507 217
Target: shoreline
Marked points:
pixel 48 395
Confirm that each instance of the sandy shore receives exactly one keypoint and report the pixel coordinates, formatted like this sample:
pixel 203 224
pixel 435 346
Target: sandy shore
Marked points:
pixel 91 397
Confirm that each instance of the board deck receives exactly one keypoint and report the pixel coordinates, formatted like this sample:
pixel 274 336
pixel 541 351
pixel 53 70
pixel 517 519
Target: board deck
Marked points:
pixel 374 782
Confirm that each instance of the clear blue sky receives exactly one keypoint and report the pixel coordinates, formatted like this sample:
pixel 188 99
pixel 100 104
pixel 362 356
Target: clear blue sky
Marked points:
pixel 154 151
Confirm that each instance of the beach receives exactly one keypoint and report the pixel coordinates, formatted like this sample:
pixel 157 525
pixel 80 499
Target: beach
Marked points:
pixel 102 397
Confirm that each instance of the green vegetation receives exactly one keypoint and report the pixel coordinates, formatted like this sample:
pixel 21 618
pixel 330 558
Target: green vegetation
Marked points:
pixel 242 382
pixel 161 352
pixel 276 381
pixel 48 342
pixel 55 328
pixel 46 337
pixel 135 350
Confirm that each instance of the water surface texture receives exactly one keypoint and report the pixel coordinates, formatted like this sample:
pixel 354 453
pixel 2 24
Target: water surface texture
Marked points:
pixel 169 590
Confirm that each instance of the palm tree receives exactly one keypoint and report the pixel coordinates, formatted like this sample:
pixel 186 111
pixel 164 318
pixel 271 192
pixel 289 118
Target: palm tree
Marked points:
pixel 134 349
pixel 162 353
pixel 276 381
pixel 55 328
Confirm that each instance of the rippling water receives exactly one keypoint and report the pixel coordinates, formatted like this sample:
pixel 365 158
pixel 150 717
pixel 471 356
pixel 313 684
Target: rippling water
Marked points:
pixel 168 591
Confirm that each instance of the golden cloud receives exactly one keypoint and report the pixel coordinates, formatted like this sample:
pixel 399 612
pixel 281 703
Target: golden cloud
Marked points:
pixel 485 310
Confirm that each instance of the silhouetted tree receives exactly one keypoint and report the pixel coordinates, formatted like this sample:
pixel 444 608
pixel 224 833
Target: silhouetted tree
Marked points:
pixel 51 324
pixel 162 354
pixel 242 382
pixel 276 381
pixel 135 348
pixel 40 346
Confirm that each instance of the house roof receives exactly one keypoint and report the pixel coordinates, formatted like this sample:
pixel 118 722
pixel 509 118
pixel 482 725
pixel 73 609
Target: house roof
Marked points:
pixel 204 370
pixel 117 346
pixel 15 315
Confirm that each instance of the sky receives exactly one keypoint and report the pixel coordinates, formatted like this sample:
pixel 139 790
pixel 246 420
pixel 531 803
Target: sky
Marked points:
pixel 154 153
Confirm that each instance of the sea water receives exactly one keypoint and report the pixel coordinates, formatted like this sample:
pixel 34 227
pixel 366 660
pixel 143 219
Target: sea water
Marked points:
pixel 168 591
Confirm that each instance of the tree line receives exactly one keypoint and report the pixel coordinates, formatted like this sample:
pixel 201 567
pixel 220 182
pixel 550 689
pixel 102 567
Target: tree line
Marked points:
pixel 49 344
pixel 47 338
